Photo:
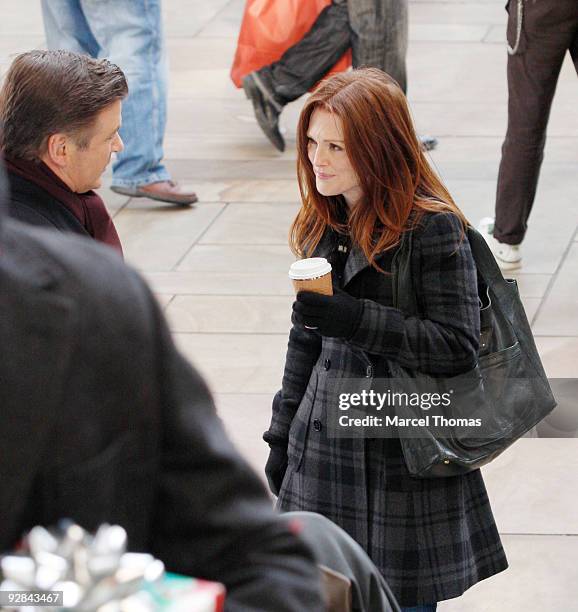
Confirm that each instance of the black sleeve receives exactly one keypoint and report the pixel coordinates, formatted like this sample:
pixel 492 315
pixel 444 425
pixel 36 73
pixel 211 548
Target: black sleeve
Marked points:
pixel 303 351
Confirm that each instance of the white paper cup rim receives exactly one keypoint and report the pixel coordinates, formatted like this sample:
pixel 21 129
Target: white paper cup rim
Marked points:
pixel 310 268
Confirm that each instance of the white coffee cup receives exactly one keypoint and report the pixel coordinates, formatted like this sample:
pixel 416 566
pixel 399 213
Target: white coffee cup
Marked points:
pixel 312 274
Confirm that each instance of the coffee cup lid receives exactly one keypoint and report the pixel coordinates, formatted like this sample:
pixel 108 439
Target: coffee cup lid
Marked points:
pixel 313 267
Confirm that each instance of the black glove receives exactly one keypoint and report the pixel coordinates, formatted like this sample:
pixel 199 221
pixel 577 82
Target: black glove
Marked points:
pixel 276 467
pixel 335 316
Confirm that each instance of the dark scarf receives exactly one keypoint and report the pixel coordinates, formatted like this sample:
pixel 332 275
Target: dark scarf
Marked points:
pixel 87 207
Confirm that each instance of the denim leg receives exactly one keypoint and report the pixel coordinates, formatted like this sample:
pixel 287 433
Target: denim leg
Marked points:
pixel 129 33
pixel 379 36
pixel 422 608
pixel 66 27
pixel 309 60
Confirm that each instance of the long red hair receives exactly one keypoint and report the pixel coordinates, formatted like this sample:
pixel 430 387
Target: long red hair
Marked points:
pixel 397 182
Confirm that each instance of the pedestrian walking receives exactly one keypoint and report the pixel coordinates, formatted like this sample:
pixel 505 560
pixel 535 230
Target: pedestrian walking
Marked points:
pixel 539 34
pixel 129 34
pixel 366 183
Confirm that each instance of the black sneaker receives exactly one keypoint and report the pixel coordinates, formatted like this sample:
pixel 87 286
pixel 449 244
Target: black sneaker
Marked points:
pixel 266 108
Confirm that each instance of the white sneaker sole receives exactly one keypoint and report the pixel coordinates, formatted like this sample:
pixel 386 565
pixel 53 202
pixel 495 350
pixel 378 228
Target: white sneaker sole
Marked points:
pixel 508 266
pixel 484 229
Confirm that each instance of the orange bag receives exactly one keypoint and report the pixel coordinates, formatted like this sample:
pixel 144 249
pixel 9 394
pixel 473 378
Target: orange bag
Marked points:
pixel 269 28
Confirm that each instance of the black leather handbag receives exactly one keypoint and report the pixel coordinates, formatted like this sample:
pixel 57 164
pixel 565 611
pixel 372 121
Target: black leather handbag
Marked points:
pixel 507 390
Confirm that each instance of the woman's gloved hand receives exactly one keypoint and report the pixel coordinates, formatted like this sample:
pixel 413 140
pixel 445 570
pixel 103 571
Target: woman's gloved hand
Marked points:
pixel 334 316
pixel 276 467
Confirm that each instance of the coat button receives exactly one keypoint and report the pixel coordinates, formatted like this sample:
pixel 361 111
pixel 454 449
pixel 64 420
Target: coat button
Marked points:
pixel 327 364
pixel 317 425
pixel 369 371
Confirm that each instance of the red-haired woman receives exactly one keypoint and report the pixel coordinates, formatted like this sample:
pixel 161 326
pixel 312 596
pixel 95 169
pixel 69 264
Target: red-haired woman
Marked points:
pixel 364 181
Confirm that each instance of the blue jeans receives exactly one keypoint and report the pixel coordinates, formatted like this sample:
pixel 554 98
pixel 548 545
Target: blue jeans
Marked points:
pixel 129 34
pixel 422 608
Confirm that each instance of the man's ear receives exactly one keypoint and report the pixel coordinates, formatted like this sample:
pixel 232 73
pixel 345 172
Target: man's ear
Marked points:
pixel 57 147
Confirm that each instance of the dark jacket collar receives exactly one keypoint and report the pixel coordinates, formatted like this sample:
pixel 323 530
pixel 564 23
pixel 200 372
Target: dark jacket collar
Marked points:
pixel 356 260
pixel 88 208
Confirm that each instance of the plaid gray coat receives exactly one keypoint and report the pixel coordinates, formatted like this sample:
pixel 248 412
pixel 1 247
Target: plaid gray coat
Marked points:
pixel 431 538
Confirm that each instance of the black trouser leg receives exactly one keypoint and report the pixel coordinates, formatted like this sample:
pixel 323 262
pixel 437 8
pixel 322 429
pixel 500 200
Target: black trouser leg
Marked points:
pixel 309 60
pixel 549 29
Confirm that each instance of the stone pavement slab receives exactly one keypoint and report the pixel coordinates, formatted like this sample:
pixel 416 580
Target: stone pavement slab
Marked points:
pixel 479 13
pixel 559 312
pixel 219 282
pixel 230 314
pixel 186 18
pixel 522 479
pixel 237 363
pixel 156 237
pixel 559 355
pixel 252 224
pixel 271 168
pixel 542 576
pixel 239 258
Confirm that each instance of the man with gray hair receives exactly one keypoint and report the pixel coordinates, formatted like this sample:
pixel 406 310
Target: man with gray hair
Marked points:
pixel 61 114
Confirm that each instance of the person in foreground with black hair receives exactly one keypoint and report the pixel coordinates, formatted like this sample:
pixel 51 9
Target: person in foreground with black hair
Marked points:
pixel 104 421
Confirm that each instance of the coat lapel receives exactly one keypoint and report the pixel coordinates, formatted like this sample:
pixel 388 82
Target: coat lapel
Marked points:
pixel 326 244
pixel 356 262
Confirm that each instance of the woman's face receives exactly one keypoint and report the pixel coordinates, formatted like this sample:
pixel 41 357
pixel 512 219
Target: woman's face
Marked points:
pixel 334 174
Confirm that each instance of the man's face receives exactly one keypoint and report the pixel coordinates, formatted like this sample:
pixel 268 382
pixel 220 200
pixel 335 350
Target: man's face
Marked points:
pixel 85 166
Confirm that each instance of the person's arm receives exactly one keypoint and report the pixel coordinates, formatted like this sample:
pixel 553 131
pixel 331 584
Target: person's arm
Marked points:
pixel 303 350
pixel 302 354
pixel 445 339
pixel 214 519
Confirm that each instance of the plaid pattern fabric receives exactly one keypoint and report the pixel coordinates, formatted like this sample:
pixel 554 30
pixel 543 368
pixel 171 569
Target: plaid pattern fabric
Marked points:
pixel 444 340
pixel 431 539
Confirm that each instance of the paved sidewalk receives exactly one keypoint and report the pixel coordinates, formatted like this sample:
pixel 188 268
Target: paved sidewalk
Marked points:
pixel 220 268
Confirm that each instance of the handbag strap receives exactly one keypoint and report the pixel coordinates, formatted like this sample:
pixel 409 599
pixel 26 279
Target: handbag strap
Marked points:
pixel 485 261
pixel 404 294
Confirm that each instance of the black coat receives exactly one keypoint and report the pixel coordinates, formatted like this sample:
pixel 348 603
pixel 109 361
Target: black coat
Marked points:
pixel 104 421
pixel 431 539
pixel 31 204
